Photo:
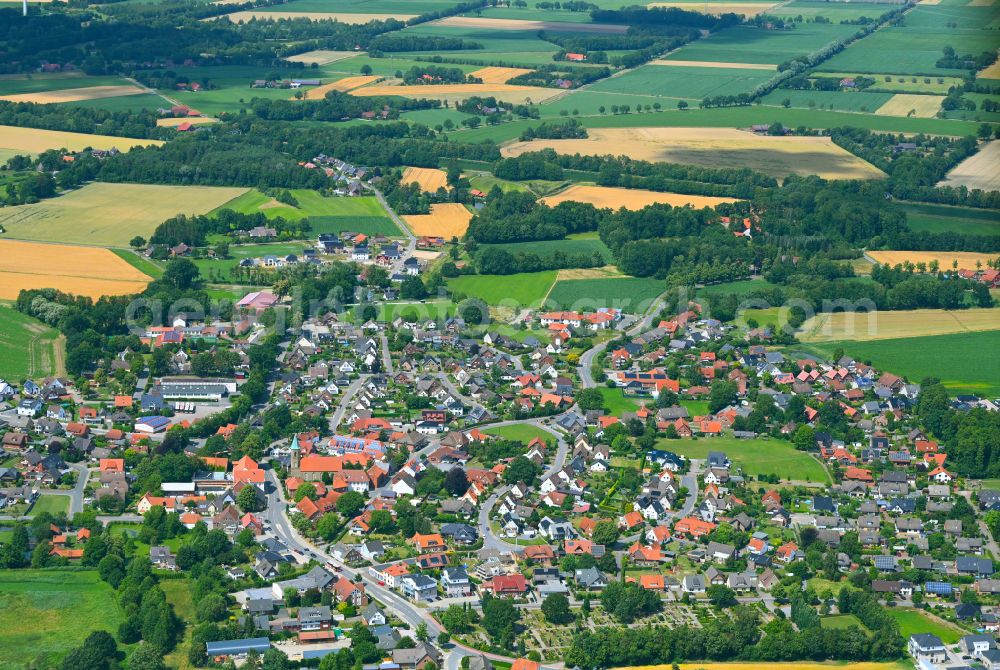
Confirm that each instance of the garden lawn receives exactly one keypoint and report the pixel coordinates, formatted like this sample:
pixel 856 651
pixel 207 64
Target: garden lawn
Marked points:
pixel 960 360
pixel 842 621
pixel 27 346
pixel 522 432
pixel 755 457
pixel 53 504
pixel 524 290
pixel 630 294
pixel 45 613
pixel 616 402
pixel 548 248
pixel 914 621
pixel 218 269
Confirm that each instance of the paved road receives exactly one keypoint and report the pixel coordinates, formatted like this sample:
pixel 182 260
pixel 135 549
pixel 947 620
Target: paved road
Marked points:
pixel 386 355
pixel 411 239
pixel 590 355
pixel 345 402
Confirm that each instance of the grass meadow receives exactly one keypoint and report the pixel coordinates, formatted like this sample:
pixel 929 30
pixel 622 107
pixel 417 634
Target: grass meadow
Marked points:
pixel 913 621
pixel 27 346
pixel 45 613
pixel 858 101
pixel 218 269
pixel 962 361
pixel 521 432
pixel 527 289
pixel 326 214
pixel 755 457
pixel 630 294
pixel 690 83
pixel 945 219
pixel 749 44
pixel 547 248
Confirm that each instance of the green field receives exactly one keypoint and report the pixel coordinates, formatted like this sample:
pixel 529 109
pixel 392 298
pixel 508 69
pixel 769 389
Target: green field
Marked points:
pixel 45 613
pixel 546 248
pixel 122 103
pixel 616 402
pixel 913 621
pixel 424 311
pixel 523 290
pixel 744 287
pixel 733 117
pixel 218 269
pixel 629 294
pixel 945 219
pixel 140 263
pixel 916 45
pixel 105 214
pixel 363 6
pixel 842 621
pixel 690 83
pixel 894 83
pixel 486 182
pixel 27 347
pixel 957 360
pixel 755 457
pixel 361 214
pixel 844 101
pixel 51 504
pixel 522 432
pixel 835 11
pixel 39 83
pixel 749 44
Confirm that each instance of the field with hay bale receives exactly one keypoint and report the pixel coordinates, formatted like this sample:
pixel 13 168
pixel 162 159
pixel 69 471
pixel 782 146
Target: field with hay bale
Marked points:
pixel 109 215
pixel 711 147
pixel 629 198
pixel 445 220
pixel 86 271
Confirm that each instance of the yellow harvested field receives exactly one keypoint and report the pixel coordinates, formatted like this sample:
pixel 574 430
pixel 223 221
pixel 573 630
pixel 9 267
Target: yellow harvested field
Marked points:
pixel 109 215
pixel 35 140
pixel 74 94
pixel 629 198
pixel 778 666
pixel 458 92
pixel 86 271
pixel 966 259
pixel 499 75
pixel 922 106
pixel 980 3
pixel 744 8
pixel 447 221
pixel 831 327
pixel 430 179
pixel 716 64
pixel 320 56
pixel 194 120
pixel 929 2
pixel 990 71
pixel 981 170
pixel 342 17
pixel 342 85
pixel 714 147
pixel 518 24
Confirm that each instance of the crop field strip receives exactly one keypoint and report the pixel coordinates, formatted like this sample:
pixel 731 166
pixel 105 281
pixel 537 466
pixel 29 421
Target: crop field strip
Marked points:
pixel 28 348
pixel 35 140
pixel 778 156
pixel 634 199
pixel 981 170
pixel 445 220
pixel 109 215
pixel 87 271
pixel 966 259
pixel 74 94
pixel 881 325
pixel 902 104
pixel 459 92
pixel 942 218
pixel 429 179
pixel 247 15
pixel 342 85
pixel 518 25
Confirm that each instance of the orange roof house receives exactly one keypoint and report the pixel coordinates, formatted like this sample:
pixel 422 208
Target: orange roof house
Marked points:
pixel 524 664
pixel 858 474
pixel 429 541
pixel 123 401
pixel 308 508
pixel 653 582
pixel 693 527
pixel 112 465
pixel 247 470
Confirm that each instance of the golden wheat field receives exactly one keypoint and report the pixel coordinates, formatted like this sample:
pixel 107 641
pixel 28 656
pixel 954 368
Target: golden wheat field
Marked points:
pixel 725 65
pixel 745 8
pixel 342 17
pixel 519 24
pixel 446 220
pixel 713 147
pixel 110 215
pixel 430 179
pixel 864 326
pixel 74 94
pixel 458 92
pixel 320 56
pixel 194 120
pixel 966 259
pixel 499 75
pixel 342 85
pixel 980 170
pixel 87 271
pixel 629 198
pixel 34 140
pixel 922 106
pixel 990 71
